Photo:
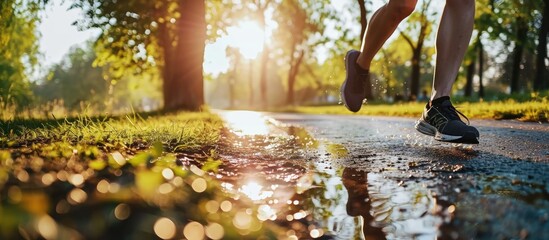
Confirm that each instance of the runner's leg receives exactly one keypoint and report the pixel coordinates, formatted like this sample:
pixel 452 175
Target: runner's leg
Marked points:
pixel 454 34
pixel 382 25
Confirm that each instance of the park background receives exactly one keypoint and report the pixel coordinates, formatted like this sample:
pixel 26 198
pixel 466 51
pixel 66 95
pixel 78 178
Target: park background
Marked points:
pixel 109 57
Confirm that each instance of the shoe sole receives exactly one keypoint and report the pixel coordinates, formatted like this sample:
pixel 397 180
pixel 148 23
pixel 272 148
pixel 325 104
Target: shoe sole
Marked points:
pixel 342 89
pixel 428 129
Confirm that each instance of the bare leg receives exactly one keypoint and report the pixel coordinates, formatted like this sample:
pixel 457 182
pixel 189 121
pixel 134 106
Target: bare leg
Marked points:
pixel 454 34
pixel 382 25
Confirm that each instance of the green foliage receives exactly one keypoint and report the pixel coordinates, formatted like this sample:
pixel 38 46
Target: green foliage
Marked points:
pixel 79 85
pixel 127 43
pixel 75 80
pixel 18 48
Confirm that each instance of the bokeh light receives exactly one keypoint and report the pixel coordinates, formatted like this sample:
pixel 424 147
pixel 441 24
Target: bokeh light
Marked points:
pixel 211 206
pixel 165 188
pixel 103 186
pixel 23 176
pixel 122 211
pixel 168 174
pixel 226 206
pixel 215 231
pixel 76 179
pixel 265 212
pixel 242 220
pixel 164 228
pixel 194 231
pixel 47 227
pixel 199 185
pixel 77 196
pixel 48 179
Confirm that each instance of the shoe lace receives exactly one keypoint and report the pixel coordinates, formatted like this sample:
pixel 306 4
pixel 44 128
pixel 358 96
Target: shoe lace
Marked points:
pixel 455 114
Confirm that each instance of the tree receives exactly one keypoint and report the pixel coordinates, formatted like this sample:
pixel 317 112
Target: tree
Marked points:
pixel 18 48
pixel 541 81
pixel 471 67
pixel 513 23
pixel 422 26
pixel 483 22
pixel 75 80
pixel 261 8
pixel 235 57
pixel 300 30
pixel 141 36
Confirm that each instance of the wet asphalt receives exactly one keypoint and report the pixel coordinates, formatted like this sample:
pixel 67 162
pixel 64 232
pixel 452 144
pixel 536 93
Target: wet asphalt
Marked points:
pixel 396 183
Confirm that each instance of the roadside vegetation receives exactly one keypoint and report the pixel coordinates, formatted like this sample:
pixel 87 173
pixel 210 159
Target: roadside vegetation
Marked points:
pixel 531 110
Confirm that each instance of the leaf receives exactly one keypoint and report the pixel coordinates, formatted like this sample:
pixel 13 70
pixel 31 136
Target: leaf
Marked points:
pixel 147 182
pixel 141 159
pixel 97 164
pixel 211 165
pixel 157 149
pixel 5 159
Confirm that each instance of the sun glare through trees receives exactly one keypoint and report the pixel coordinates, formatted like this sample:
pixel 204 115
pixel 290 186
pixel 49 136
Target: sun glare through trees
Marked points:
pixel 248 37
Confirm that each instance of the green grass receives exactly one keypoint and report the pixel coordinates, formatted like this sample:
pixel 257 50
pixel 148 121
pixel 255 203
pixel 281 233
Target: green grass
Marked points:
pixel 532 111
pixel 178 132
pixel 100 177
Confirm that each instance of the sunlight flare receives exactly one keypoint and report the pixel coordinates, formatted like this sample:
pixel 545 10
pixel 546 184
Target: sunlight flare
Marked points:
pixel 255 192
pixel 248 37
pixel 246 122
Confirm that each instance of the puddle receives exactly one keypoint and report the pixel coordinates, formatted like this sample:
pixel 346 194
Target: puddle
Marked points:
pixel 302 184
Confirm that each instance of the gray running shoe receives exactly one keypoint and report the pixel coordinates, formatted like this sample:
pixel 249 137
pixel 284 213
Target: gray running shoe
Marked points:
pixel 352 90
pixel 443 122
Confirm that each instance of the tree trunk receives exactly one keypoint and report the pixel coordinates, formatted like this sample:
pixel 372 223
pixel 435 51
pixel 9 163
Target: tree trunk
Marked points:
pixel 184 85
pixel 540 81
pixel 470 75
pixel 263 79
pixel 168 56
pixel 522 31
pixel 294 69
pixel 416 67
pixel 232 82
pixel 480 70
pixel 264 64
pixel 251 82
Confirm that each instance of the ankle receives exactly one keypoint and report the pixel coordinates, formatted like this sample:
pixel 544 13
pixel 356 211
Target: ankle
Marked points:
pixel 438 101
pixel 362 70
pixel 362 64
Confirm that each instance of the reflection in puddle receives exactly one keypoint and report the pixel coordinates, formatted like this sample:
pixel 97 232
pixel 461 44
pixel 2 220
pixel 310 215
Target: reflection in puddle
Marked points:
pixel 255 192
pixel 370 206
pixel 299 183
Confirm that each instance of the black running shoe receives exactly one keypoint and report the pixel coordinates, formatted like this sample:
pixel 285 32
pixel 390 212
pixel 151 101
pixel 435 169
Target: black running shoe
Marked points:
pixel 352 90
pixel 443 122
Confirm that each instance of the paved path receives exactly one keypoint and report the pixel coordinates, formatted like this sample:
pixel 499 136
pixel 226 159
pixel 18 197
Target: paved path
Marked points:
pixel 405 185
